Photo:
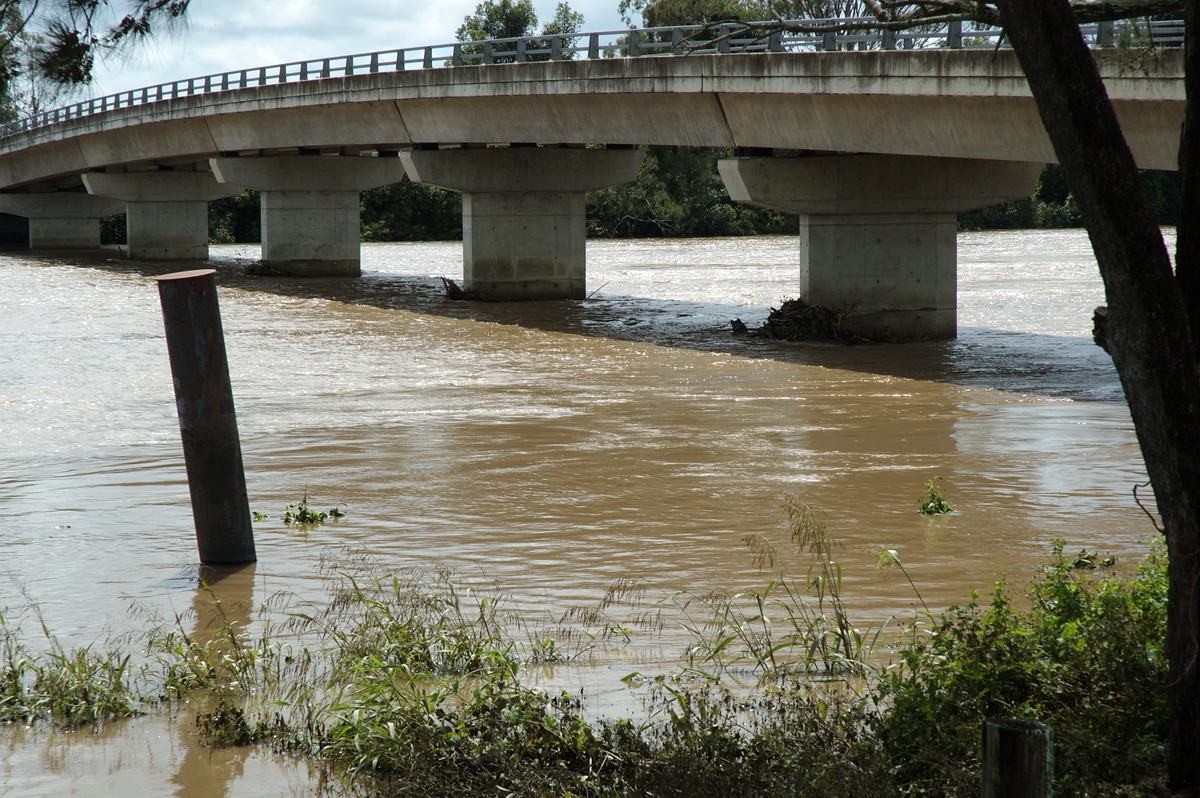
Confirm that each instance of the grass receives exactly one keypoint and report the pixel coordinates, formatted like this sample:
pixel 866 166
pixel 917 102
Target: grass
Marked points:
pixel 412 684
pixel 70 689
pixel 226 727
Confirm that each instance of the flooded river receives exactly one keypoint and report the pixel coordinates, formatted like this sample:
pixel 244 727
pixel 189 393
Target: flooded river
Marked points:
pixel 548 448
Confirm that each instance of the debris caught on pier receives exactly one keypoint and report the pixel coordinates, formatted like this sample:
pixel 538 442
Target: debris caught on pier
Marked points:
pixel 796 320
pixel 1100 327
pixel 456 292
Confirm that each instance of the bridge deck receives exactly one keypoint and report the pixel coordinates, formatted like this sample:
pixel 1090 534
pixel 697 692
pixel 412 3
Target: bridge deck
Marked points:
pixel 954 103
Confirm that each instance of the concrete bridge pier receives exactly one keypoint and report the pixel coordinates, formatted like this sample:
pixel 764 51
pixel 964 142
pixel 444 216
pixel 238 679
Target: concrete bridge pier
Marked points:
pixel 310 207
pixel 61 219
pixel 166 213
pixel 524 230
pixel 878 232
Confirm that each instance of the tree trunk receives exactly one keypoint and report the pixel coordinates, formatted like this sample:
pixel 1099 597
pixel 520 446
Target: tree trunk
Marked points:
pixel 1148 329
pixel 1187 244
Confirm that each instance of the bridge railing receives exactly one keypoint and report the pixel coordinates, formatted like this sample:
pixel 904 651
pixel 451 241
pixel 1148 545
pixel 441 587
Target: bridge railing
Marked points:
pixel 770 37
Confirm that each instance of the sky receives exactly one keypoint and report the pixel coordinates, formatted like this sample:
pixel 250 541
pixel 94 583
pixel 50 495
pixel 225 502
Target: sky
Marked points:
pixel 223 35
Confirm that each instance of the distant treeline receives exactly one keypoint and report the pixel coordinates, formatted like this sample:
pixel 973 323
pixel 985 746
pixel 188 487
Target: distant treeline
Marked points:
pixel 1053 206
pixel 677 195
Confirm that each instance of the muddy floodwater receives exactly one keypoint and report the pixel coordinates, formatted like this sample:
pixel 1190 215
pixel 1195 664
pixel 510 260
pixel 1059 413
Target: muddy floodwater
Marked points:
pixel 550 449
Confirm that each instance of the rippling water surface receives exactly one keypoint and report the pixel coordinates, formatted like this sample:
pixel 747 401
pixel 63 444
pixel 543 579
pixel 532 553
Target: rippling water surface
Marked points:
pixel 551 448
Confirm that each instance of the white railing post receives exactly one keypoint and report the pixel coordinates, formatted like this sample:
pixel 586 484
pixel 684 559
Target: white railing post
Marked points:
pixel 954 35
pixel 723 44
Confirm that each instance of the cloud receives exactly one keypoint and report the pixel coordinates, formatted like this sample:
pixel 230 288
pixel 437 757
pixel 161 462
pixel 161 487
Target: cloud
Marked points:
pixel 226 35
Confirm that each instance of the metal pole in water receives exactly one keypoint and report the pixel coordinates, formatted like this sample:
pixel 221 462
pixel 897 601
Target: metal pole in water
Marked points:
pixel 1018 759
pixel 204 400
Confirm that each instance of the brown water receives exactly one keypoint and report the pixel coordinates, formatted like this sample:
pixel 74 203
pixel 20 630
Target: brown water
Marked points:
pixel 552 448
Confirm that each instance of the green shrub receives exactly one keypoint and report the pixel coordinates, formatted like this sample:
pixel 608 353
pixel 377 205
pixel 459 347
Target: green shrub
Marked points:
pixel 1085 659
pixel 412 687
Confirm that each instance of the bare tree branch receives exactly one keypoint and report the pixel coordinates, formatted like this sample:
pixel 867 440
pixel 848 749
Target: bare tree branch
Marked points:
pixel 898 15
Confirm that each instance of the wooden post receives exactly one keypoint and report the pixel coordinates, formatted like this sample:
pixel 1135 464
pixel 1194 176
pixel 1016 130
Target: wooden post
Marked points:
pixel 1018 759
pixel 204 400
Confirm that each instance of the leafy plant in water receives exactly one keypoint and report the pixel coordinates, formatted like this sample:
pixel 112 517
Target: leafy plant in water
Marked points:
pixel 934 504
pixel 226 727
pixel 302 515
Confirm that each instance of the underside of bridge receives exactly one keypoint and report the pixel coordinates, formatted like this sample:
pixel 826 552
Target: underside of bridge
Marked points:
pixel 876 232
pixel 166 212
pixel 61 219
pixel 310 208
pixel 524 225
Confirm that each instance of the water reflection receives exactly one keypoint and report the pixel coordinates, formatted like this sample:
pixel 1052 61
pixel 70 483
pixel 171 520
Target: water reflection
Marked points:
pixel 221 607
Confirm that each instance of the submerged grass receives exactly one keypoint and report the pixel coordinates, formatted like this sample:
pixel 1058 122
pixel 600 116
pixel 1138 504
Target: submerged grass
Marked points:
pixel 411 685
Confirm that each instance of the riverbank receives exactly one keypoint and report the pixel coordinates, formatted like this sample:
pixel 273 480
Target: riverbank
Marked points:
pixel 407 685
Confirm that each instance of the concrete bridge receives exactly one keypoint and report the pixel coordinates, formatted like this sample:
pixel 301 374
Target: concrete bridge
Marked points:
pixel 883 147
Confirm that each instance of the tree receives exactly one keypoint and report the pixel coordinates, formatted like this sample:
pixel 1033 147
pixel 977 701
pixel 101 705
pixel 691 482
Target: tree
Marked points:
pixel 1152 341
pixel 498 19
pixel 236 219
pixel 28 91
pixel 514 19
pixel 506 19
pixel 565 21
pixel 1153 326
pixel 678 193
pixel 58 41
pixel 408 211
pixel 666 13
